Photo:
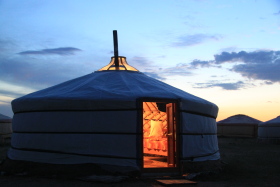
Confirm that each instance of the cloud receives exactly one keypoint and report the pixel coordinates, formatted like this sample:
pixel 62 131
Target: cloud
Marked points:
pixel 255 57
pixel 182 69
pixel 229 49
pixel 277 13
pixel 199 63
pixel 139 61
pixel 185 69
pixel 268 71
pixel 190 40
pixel 146 66
pixel 11 94
pixel 268 83
pixel 155 75
pixel 258 65
pixel 38 73
pixel 54 51
pixel 226 86
pixel 5 45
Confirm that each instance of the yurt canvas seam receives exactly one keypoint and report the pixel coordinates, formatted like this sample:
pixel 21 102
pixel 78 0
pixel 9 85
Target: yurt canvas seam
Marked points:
pixel 69 110
pixel 193 157
pixel 197 113
pixel 185 133
pixel 50 132
pixel 68 153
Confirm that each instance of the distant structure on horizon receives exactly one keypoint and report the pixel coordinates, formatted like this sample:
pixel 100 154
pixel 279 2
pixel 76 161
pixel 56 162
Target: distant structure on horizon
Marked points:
pixel 5 129
pixel 239 125
pixel 269 131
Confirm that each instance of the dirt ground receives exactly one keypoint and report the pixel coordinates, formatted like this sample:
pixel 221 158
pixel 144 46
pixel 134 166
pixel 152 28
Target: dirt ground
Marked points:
pixel 246 163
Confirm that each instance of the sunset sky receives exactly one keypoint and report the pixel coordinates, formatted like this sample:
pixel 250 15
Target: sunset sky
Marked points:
pixel 227 52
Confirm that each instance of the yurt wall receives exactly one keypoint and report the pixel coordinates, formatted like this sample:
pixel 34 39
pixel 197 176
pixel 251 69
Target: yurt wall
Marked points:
pixel 5 129
pixel 78 137
pixel 269 131
pixel 238 130
pixel 238 126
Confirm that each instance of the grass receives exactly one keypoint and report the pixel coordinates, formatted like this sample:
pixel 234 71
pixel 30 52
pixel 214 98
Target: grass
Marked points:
pixel 246 163
pixel 3 151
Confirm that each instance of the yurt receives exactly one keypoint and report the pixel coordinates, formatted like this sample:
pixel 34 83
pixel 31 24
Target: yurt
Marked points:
pixel 115 120
pixel 269 131
pixel 5 129
pixel 238 126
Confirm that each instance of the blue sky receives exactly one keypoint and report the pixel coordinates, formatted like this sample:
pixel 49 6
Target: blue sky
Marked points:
pixel 224 51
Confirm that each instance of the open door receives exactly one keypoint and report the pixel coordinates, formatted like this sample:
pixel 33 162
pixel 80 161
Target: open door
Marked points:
pixel 171 135
pixel 159 135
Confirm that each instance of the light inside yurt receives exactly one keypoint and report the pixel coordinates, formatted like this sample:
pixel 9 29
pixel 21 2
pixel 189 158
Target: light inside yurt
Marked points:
pixel 269 131
pixel 154 135
pixel 122 65
pixel 117 62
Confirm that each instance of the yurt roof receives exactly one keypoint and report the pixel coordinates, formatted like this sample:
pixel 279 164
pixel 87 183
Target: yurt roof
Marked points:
pixel 239 119
pixel 108 90
pixel 272 122
pixel 4 118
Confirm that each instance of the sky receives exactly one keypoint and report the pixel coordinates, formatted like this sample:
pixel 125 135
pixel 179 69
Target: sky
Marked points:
pixel 227 52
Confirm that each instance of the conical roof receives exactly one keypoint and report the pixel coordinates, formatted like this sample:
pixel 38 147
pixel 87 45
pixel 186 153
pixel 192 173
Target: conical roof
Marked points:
pixel 272 122
pixel 239 119
pixel 108 90
pixel 122 65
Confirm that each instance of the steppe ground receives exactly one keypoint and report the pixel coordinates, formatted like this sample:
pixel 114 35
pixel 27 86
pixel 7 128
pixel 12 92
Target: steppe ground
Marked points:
pixel 247 162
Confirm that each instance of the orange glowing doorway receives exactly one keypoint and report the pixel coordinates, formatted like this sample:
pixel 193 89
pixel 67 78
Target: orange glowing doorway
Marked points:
pixel 159 135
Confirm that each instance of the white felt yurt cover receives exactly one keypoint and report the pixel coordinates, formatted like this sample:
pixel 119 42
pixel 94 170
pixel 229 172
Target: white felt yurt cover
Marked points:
pixel 5 128
pixel 93 119
pixel 107 90
pixel 270 129
pixel 5 125
pixel 239 125
pixel 239 119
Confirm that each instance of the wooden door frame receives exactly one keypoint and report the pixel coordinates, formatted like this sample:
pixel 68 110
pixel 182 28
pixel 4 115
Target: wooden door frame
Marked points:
pixel 140 138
